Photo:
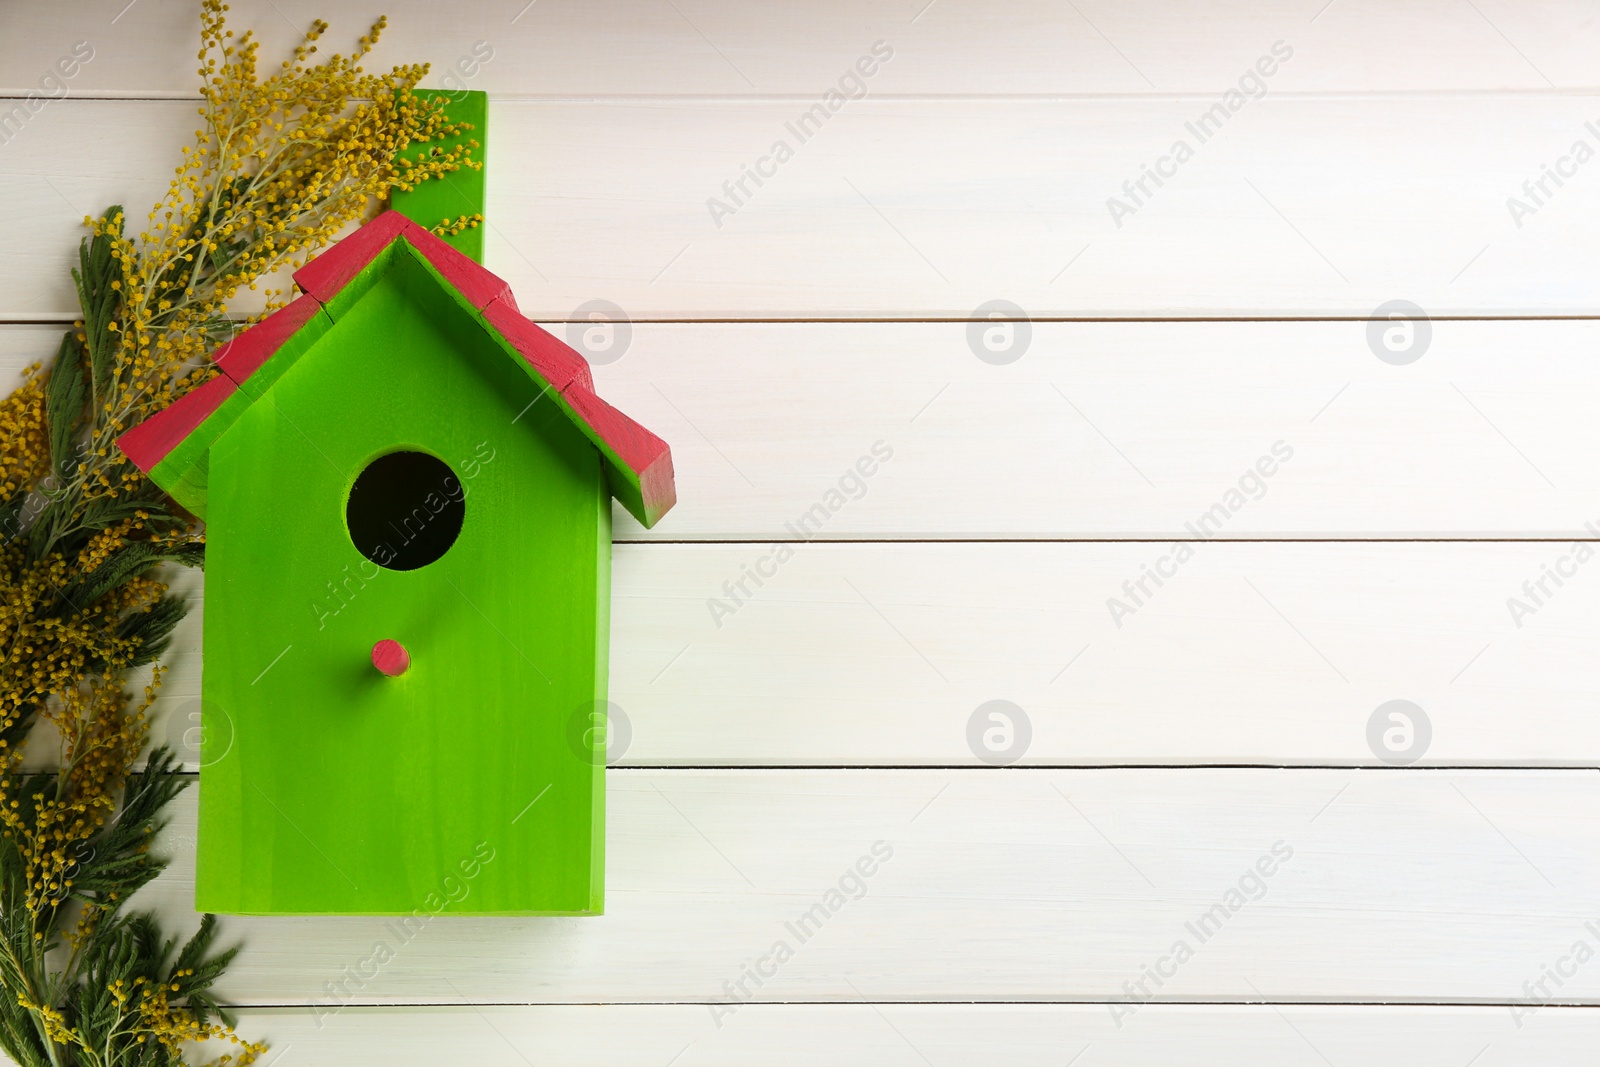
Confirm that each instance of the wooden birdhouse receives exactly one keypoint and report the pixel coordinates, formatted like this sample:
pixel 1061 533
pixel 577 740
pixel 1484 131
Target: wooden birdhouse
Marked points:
pixel 407 493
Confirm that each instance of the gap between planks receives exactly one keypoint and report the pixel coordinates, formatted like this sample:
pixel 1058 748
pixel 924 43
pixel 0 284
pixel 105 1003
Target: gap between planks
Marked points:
pixel 1421 539
pixel 736 99
pixel 878 768
pixel 1395 1004
pixel 937 320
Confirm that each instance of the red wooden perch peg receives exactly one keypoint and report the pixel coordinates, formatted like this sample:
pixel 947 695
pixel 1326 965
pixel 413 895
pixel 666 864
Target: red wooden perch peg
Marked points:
pixel 391 658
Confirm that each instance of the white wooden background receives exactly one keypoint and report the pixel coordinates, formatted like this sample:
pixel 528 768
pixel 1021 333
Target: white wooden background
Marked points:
pixel 772 747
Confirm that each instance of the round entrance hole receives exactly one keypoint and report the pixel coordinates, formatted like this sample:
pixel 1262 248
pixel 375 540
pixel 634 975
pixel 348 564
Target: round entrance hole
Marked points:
pixel 405 510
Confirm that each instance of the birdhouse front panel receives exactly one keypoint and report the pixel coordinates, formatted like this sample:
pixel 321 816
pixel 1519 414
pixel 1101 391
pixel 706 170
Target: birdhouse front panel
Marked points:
pixel 407 492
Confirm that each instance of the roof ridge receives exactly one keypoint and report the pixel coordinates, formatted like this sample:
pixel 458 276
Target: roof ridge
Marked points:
pixel 639 464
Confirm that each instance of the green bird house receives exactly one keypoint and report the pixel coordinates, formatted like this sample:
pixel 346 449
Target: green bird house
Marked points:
pixel 407 494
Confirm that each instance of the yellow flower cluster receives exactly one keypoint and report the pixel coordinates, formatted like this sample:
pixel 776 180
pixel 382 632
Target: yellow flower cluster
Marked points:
pixel 145 1013
pixel 176 1027
pixel 24 443
pixel 280 166
pixel 279 169
pixel 67 667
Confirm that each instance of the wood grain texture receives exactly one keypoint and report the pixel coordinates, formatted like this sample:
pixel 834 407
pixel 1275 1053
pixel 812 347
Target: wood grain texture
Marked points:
pixel 915 1035
pixel 988 885
pixel 977 168
pixel 1255 653
pixel 1488 435
pixel 889 210
pixel 487 562
pixel 721 47
pixel 390 658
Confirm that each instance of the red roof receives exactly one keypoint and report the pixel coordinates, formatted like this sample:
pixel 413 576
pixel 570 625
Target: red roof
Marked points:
pixel 639 463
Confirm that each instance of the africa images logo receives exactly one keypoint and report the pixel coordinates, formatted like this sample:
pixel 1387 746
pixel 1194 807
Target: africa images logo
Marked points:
pixel 852 85
pixel 1252 85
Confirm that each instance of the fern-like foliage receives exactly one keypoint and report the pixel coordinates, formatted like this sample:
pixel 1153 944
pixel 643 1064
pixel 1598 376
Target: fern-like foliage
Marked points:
pixel 120 991
pixel 279 167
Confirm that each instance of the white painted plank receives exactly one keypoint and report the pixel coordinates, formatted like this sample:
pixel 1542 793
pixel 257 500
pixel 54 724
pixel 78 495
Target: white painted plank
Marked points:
pixel 1105 429
pixel 1001 886
pixel 726 48
pixel 1199 673
pixel 915 1035
pixel 1032 885
pixel 921 208
pixel 1254 653
pixel 1119 430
